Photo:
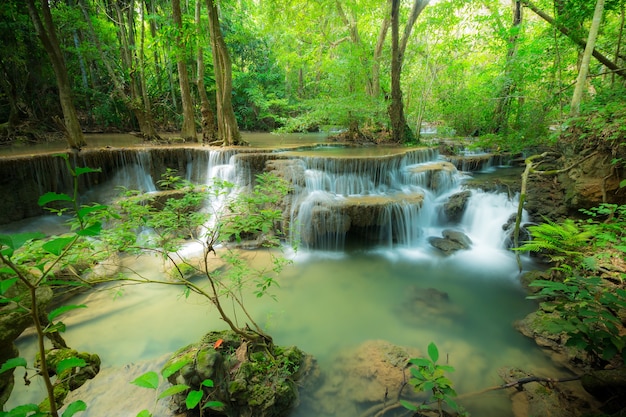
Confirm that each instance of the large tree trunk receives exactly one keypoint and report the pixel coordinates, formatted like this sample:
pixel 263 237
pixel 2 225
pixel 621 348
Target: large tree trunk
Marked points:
pixel 188 130
pixel 227 128
pixel 47 34
pixel 209 130
pixel 503 105
pixel 581 81
pixel 400 131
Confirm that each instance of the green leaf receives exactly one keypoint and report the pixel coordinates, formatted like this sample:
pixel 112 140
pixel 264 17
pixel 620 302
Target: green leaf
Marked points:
pixel 93 230
pixel 6 284
pixel 70 363
pixel 173 368
pixel 174 389
pixel 148 380
pixel 51 196
pixel 420 361
pixel 17 240
pixel 408 405
pixel 58 327
pixel 56 246
pixel 24 410
pixel 74 408
pixel 85 170
pixel 213 404
pixel 193 399
pixel 208 383
pixel 144 413
pixel 433 352
pixel 12 364
pixel 63 309
pixel 83 211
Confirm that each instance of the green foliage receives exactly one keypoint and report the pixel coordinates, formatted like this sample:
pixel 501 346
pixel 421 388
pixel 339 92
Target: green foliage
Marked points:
pixel 587 313
pixel 152 380
pixel 428 376
pixel 587 305
pixel 30 261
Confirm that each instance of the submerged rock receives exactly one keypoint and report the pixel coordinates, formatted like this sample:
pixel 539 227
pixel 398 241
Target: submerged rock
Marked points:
pixel 371 373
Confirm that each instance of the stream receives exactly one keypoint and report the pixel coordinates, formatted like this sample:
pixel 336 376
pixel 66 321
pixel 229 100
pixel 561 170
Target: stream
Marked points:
pixel 338 294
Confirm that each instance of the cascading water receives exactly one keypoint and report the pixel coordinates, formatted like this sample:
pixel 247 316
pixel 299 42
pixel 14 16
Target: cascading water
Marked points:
pixel 333 300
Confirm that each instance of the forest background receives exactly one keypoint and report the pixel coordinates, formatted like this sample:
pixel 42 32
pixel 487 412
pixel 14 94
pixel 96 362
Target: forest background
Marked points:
pixel 500 69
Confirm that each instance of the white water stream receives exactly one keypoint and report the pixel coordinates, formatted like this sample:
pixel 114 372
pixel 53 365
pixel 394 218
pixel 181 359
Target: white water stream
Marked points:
pixel 338 294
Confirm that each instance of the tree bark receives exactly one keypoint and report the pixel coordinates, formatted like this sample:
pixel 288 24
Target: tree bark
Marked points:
pixel 400 131
pixel 46 32
pixel 227 128
pixel 374 89
pixel 209 130
pixel 503 105
pixel 580 42
pixel 581 81
pixel 188 130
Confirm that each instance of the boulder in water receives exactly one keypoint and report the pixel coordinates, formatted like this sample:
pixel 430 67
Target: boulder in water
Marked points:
pixel 456 205
pixel 452 241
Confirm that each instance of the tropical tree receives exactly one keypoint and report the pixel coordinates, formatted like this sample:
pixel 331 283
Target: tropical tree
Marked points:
pixel 46 31
pixel 188 131
pixel 227 128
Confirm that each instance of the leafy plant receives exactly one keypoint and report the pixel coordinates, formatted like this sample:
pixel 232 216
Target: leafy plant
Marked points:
pixel 151 380
pixel 587 313
pixel 30 262
pixel 427 375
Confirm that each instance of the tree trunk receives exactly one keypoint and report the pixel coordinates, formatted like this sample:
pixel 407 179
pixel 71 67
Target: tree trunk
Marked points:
pixel 374 89
pixel 188 131
pixel 581 81
pixel 227 129
pixel 503 105
pixel 565 31
pixel 400 131
pixel 47 34
pixel 209 130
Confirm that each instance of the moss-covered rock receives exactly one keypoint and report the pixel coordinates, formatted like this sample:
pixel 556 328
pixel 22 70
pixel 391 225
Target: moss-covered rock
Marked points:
pixel 249 380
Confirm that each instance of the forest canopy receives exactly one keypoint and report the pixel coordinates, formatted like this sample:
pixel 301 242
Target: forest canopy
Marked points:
pixel 505 68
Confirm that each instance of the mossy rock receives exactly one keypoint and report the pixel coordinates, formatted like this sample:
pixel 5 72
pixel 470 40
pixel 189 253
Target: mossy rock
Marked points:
pixel 74 372
pixel 260 380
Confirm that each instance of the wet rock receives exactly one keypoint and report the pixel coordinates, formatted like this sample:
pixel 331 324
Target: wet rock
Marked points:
pixel 371 373
pixel 509 228
pixel 70 378
pixel 452 241
pixel 608 386
pixel 546 399
pixel 455 207
pixel 250 380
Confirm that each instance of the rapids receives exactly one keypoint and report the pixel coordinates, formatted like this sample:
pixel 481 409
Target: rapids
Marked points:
pixel 342 289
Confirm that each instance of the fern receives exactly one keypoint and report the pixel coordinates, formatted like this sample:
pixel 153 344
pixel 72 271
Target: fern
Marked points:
pixel 563 242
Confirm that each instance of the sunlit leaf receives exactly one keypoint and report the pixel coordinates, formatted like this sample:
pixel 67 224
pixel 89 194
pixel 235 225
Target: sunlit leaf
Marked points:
pixel 50 197
pixel 93 230
pixel 12 364
pixel 63 309
pixel 193 399
pixel 56 246
pixel 23 411
pixel 433 352
pixel 213 404
pixel 408 405
pixel 70 363
pixel 173 368
pixel 174 389
pixel 74 408
pixel 144 413
pixel 85 170
pixel 148 380
pixel 16 241
pixel 58 327
pixel 5 284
